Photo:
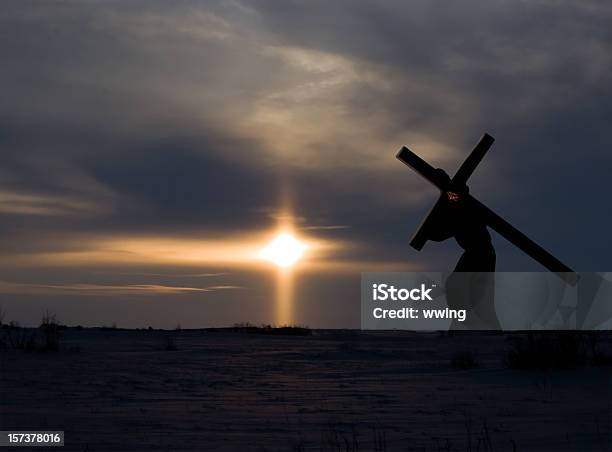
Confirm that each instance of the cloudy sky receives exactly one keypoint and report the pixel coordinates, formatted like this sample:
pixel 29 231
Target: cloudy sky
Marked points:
pixel 148 150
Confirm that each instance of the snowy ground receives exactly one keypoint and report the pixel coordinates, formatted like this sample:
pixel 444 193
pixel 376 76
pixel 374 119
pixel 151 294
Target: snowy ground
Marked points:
pixel 333 391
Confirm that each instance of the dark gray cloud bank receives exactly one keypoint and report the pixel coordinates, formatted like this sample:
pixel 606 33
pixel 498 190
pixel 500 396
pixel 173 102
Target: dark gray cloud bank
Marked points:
pixel 192 119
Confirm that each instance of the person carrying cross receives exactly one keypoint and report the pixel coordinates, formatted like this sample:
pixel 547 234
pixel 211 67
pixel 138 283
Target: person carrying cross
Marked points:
pixel 458 214
pixel 471 285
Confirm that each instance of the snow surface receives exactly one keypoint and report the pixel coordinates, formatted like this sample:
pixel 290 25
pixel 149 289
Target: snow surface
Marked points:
pixel 344 391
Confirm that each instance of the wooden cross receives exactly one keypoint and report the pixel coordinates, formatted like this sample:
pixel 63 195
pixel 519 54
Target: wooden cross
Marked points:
pixel 494 221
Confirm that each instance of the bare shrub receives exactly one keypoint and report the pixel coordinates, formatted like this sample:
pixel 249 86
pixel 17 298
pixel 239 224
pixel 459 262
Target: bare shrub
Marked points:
pixel 51 329
pixel 548 350
pixel 17 338
pixel 286 330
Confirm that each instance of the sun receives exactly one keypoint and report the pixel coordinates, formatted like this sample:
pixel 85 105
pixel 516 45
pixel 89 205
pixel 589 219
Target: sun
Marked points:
pixel 285 250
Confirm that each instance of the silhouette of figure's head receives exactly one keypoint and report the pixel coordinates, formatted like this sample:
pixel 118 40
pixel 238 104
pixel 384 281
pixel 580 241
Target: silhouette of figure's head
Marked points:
pixel 455 217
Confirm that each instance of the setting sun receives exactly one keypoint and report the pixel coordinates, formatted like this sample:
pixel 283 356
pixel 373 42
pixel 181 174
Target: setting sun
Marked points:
pixel 285 250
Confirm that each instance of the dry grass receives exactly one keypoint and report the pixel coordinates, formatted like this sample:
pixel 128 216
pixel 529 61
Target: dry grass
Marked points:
pixel 548 350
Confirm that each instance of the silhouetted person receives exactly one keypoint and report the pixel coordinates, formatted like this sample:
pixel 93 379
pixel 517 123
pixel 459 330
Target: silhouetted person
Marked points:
pixel 471 285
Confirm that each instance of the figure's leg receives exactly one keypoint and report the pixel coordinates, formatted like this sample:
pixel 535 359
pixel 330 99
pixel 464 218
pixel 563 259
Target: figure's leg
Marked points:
pixel 474 291
pixel 482 291
pixel 458 297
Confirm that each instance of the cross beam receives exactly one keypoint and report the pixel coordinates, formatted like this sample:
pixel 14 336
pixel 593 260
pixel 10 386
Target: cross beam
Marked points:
pixel 494 221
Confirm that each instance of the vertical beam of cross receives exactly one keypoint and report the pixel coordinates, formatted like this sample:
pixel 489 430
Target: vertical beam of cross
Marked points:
pixel 471 162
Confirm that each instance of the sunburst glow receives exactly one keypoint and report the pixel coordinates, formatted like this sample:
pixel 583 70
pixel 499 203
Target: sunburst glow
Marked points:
pixel 285 250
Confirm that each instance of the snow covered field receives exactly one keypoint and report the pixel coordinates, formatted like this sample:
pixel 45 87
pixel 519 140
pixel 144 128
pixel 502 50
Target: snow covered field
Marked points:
pixel 342 391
